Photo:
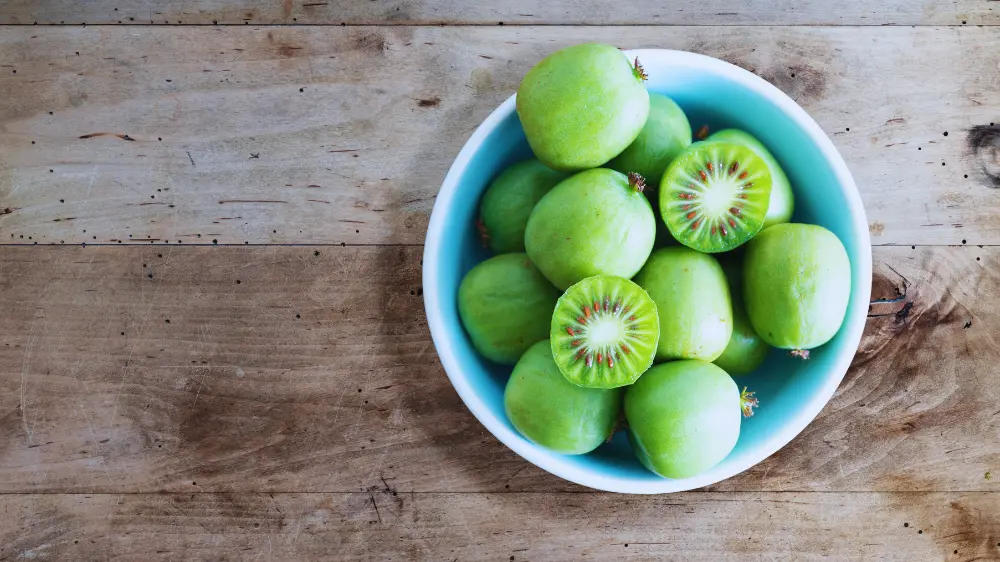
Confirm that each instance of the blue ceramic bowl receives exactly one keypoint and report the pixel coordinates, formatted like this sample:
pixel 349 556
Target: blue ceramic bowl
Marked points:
pixel 791 391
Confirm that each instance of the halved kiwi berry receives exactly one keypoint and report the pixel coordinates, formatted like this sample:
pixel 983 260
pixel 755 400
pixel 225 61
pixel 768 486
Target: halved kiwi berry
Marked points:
pixel 605 330
pixel 715 195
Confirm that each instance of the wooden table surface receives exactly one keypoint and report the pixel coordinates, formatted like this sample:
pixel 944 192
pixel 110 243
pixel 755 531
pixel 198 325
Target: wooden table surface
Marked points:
pixel 212 337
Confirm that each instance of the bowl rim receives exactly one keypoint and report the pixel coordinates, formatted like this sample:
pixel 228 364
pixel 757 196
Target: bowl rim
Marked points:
pixel 853 324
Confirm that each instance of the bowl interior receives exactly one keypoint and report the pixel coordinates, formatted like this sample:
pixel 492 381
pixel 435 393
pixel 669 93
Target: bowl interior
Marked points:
pixel 791 391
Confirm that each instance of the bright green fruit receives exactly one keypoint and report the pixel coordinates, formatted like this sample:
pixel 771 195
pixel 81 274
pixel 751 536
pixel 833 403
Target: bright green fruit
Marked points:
pixel 506 305
pixel 666 133
pixel 554 413
pixel 746 350
pixel 797 282
pixel 597 222
pixel 684 417
pixel 714 196
pixel 581 106
pixel 508 201
pixel 693 301
pixel 782 203
pixel 604 332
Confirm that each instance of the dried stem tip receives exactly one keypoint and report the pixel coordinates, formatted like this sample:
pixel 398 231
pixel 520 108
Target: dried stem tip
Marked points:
pixel 747 402
pixel 800 353
pixel 639 72
pixel 636 181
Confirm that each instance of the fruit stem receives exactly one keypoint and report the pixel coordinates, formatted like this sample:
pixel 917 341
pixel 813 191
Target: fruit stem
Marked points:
pixel 748 402
pixel 636 182
pixel 639 72
pixel 800 353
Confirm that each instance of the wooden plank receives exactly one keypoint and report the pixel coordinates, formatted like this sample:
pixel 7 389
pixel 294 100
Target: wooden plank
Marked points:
pixel 517 12
pixel 137 369
pixel 384 524
pixel 343 135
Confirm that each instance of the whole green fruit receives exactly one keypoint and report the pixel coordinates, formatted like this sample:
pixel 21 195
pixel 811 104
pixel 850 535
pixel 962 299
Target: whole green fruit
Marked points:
pixel 797 283
pixel 693 301
pixel 552 412
pixel 666 134
pixel 581 106
pixel 684 417
pixel 508 201
pixel 597 222
pixel 782 202
pixel 506 305
pixel 746 350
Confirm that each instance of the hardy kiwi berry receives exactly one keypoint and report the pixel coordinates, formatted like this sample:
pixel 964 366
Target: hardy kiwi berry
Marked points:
pixel 508 201
pixel 693 302
pixel 596 222
pixel 604 332
pixel 552 412
pixel 666 134
pixel 782 203
pixel 506 305
pixel 684 417
pixel 715 195
pixel 797 284
pixel 582 105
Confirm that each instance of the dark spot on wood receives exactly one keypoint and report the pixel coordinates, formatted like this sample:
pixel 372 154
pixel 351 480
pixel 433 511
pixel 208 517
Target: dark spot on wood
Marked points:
pixel 968 325
pixel 432 102
pixel 800 81
pixel 371 43
pixel 984 142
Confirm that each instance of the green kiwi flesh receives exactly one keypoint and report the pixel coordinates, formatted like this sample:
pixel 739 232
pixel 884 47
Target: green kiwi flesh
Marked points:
pixel 604 332
pixel 715 195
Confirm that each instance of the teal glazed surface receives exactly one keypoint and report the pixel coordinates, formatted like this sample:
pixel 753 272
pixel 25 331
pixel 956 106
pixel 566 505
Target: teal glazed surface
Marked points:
pixel 791 391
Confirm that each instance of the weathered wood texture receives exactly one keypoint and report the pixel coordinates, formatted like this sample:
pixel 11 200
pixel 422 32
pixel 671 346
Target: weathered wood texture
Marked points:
pixel 277 369
pixel 518 12
pixel 343 135
pixel 386 524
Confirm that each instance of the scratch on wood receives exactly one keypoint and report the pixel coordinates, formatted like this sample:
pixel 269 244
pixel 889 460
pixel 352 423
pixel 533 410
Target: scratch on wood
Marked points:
pixel 318 201
pixel 348 220
pixel 345 150
pixel 190 157
pixel 224 201
pixel 372 496
pixel 119 135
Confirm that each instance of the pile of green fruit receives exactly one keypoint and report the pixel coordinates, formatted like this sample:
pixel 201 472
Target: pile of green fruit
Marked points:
pixel 603 309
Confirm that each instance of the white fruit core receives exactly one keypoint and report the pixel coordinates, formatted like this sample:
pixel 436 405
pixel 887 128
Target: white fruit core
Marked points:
pixel 605 331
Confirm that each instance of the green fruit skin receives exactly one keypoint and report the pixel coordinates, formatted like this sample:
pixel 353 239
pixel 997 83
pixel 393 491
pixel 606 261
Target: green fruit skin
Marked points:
pixel 666 134
pixel 683 417
pixel 796 285
pixel 582 106
pixel 593 223
pixel 509 200
pixel 506 305
pixel 782 202
pixel 552 412
pixel 693 301
pixel 746 350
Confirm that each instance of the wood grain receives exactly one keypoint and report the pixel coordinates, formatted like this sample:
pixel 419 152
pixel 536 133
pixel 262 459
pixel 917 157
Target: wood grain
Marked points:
pixel 294 369
pixel 343 135
pixel 517 12
pixel 384 524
